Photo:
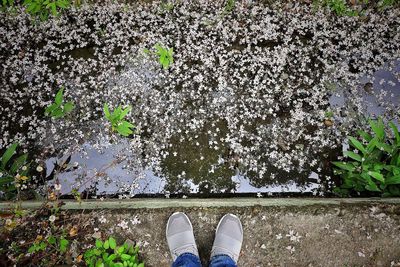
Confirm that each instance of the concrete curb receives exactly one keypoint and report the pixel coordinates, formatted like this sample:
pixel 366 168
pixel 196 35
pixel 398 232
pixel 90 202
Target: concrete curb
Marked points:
pixel 141 203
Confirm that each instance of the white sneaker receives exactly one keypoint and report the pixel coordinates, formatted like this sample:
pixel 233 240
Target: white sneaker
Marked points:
pixel 180 235
pixel 228 237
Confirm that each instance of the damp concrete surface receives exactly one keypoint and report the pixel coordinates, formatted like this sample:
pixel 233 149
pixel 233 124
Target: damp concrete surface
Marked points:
pixel 362 234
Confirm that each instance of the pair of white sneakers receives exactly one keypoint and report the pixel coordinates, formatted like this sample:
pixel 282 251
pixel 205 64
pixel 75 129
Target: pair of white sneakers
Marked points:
pixel 228 237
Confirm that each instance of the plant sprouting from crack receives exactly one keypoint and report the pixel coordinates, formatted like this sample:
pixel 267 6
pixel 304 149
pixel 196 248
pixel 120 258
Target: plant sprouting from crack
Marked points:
pixel 116 118
pixel 108 253
pixel 376 165
pixel 59 109
pixel 166 6
pixel 164 55
pixel 229 6
pixel 43 8
pixel 339 7
pixel 6 4
pixel 13 172
pixel 384 4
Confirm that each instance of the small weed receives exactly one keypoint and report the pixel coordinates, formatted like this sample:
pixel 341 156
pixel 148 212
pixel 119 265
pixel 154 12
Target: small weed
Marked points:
pixel 13 173
pixel 116 118
pixel 5 4
pixel 376 167
pixel 229 6
pixel 329 114
pixel 108 253
pixel 165 55
pixel 384 4
pixel 166 7
pixel 43 8
pixel 59 109
pixel 52 243
pixel 339 7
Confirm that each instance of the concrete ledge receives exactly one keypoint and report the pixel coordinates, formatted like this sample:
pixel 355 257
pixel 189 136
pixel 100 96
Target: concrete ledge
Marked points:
pixel 141 203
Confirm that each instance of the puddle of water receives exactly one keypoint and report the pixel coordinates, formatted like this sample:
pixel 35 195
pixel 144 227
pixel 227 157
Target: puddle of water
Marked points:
pixel 199 162
pixel 200 131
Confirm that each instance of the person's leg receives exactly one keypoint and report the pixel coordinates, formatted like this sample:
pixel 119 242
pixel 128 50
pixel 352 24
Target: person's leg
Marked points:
pixel 222 261
pixel 187 260
pixel 181 241
pixel 227 243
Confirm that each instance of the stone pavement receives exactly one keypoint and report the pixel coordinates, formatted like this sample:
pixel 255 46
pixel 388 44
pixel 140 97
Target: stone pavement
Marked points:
pixel 336 234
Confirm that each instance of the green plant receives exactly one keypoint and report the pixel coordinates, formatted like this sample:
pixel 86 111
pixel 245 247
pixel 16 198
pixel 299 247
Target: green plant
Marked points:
pixel 116 118
pixel 5 4
pixel 59 244
pixel 329 114
pixel 59 109
pixel 43 8
pixel 376 167
pixel 383 4
pixel 339 7
pixel 13 173
pixel 165 55
pixel 229 6
pixel 109 254
pixel 166 6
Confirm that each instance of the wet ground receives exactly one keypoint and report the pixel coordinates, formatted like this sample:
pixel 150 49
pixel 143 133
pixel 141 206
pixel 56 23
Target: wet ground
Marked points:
pixel 344 235
pixel 259 100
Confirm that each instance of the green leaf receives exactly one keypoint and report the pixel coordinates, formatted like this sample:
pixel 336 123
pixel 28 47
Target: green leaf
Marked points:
pixel 395 132
pixel 63 245
pixel 53 8
pixel 112 242
pixel 105 257
pixel 384 147
pixel 352 155
pixel 106 111
pixel 68 107
pixel 62 4
pixel 42 245
pixel 125 112
pixel 97 252
pixel 18 163
pixel 6 180
pixel 370 185
pixel 106 244
pixel 32 248
pixel 58 113
pixel 344 166
pixel 112 257
pixel 377 176
pixel 99 244
pixel 121 250
pixel 372 144
pixel 141 265
pixel 52 240
pixel 8 154
pixel 357 145
pixel 125 257
pixel 393 180
pixel 99 263
pixel 124 131
pixel 367 137
pixel 59 96
pixel 51 108
pixel 378 128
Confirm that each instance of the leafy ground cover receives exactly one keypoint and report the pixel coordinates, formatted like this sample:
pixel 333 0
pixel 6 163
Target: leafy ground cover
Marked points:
pixel 217 89
pixel 50 236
